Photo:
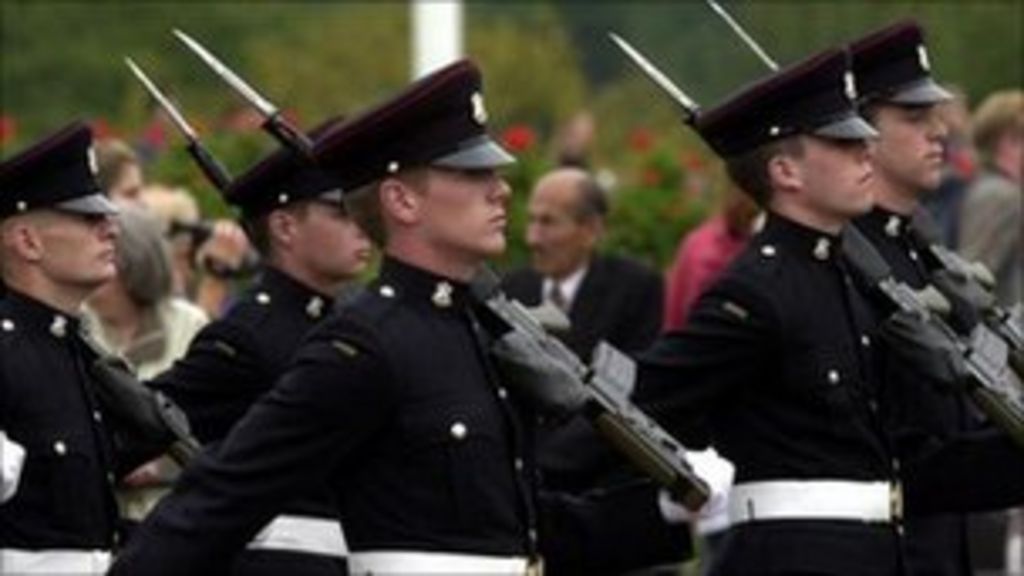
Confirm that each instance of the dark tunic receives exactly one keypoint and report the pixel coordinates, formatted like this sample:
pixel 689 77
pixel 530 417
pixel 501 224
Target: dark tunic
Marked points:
pixel 776 369
pixel 48 405
pixel 229 365
pixel 392 402
pixel 929 424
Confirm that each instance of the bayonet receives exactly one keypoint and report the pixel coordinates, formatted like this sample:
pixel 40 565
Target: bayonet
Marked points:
pixel 172 112
pixel 211 168
pixel 768 61
pixel 274 121
pixel 658 77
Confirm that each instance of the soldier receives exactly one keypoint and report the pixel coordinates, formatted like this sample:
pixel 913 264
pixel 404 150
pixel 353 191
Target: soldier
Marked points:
pixel 774 366
pixel 606 297
pixel 295 217
pixel 391 399
pixel 57 511
pixel 899 97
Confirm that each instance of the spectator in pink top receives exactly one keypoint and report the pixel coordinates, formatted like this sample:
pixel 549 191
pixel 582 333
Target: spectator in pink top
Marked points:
pixel 703 254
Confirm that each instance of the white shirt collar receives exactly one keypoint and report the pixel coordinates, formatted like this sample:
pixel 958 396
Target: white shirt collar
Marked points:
pixel 569 286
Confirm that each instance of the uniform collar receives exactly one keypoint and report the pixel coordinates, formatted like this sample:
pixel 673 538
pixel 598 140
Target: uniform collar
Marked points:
pixel 780 232
pixel 277 287
pixel 882 223
pixel 24 312
pixel 398 279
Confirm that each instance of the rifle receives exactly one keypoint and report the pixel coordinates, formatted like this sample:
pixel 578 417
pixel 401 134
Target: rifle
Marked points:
pixel 971 283
pixel 150 422
pixel 600 392
pixel 274 121
pixel 989 382
pixel 212 169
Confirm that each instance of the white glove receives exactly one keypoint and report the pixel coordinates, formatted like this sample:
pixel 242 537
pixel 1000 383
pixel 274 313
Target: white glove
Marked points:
pixel 12 458
pixel 718 473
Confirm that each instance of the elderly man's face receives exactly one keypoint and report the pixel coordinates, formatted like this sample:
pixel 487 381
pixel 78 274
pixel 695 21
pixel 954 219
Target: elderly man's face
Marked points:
pixel 560 241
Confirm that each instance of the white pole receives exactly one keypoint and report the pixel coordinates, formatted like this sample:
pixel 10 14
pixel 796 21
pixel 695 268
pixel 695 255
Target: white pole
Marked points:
pixel 436 34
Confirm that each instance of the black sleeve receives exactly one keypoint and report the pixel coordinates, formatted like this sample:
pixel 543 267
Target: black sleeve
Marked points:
pixel 726 345
pixel 218 379
pixel 609 531
pixel 333 398
pixel 642 319
pixel 970 472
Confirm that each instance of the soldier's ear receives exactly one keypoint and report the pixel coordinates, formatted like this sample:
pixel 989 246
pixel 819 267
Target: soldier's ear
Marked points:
pixel 785 173
pixel 281 225
pixel 400 201
pixel 22 236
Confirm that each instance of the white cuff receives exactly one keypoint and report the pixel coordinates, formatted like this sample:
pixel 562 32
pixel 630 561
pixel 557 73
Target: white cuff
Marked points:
pixel 12 458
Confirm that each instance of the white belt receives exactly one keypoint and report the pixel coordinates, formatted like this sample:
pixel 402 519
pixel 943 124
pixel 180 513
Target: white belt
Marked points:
pixel 404 563
pixel 53 561
pixel 815 500
pixel 302 534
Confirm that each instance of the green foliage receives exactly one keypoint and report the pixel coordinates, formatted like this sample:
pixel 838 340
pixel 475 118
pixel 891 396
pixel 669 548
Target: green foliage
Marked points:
pixel 658 205
pixel 532 70
pixel 542 62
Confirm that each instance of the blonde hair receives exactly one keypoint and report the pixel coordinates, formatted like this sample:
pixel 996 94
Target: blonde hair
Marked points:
pixel 1000 113
pixel 170 204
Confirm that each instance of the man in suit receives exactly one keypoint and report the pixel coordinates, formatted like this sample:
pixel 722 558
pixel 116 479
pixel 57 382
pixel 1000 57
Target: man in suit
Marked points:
pixel 606 297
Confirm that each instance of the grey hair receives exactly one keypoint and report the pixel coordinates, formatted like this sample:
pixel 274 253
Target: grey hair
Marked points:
pixel 143 257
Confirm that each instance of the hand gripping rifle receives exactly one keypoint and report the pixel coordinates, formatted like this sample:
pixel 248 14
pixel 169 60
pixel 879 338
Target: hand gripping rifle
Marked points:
pixel 274 121
pixel 555 380
pixel 988 381
pixel 146 421
pixel 971 283
pixel 212 169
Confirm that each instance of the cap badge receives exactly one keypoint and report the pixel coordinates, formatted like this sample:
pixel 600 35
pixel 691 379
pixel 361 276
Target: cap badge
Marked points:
pixel 922 57
pixel 90 156
pixel 479 111
pixel 442 297
pixel 850 85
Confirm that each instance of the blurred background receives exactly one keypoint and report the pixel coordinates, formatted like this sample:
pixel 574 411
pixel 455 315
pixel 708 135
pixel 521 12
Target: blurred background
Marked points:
pixel 555 84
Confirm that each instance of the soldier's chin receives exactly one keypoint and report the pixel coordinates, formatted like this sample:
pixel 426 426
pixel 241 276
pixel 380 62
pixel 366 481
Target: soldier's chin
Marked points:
pixel 494 247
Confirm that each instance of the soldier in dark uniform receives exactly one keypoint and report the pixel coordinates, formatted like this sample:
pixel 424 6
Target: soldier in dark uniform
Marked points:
pixel 775 365
pixel 390 399
pixel 57 511
pixel 393 400
pixel 898 95
pixel 295 216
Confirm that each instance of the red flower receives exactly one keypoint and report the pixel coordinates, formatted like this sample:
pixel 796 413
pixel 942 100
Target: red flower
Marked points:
pixel 101 129
pixel 651 177
pixel 8 129
pixel 641 140
pixel 155 135
pixel 519 138
pixel 692 161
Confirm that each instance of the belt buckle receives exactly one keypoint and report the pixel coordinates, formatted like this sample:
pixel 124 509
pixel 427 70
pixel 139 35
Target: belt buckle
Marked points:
pixel 535 566
pixel 896 502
